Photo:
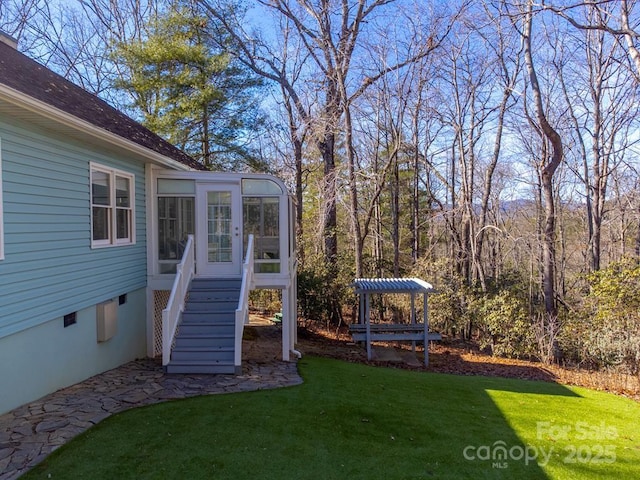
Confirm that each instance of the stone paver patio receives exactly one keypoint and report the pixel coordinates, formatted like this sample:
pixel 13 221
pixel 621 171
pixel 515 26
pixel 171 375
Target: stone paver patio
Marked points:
pixel 30 432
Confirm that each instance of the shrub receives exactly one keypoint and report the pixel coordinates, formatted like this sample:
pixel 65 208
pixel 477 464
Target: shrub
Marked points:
pixel 504 324
pixel 448 308
pixel 611 317
pixel 323 292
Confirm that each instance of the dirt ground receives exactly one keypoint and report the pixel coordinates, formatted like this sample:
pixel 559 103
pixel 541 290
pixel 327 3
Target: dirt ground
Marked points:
pixel 263 342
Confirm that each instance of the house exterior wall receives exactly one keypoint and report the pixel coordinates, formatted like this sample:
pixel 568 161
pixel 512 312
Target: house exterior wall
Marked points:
pixel 45 358
pixel 49 267
pixel 50 270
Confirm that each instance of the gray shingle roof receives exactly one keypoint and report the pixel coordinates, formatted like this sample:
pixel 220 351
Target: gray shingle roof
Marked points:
pixel 27 76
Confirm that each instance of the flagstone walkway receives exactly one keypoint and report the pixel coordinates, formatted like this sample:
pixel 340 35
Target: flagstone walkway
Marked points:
pixel 29 433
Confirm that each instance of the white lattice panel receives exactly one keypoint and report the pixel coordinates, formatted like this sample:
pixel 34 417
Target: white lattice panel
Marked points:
pixel 160 299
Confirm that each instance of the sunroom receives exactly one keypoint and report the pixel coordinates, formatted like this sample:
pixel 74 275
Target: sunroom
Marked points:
pixel 213 237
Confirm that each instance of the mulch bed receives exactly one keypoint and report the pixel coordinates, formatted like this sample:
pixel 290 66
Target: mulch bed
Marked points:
pixel 457 358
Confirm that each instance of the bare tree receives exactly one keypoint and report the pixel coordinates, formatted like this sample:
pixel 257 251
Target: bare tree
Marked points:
pixel 615 21
pixel 17 18
pixel 507 67
pixel 75 38
pixel 283 61
pixel 600 120
pixel 478 78
pixel 395 80
pixel 551 162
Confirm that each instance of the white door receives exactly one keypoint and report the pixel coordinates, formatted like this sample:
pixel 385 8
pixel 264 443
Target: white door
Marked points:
pixel 218 235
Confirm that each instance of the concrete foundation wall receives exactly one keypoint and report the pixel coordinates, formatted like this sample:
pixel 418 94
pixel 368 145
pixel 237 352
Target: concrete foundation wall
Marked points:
pixel 45 358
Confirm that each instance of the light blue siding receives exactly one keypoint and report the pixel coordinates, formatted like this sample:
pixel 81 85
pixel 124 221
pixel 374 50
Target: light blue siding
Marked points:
pixel 49 268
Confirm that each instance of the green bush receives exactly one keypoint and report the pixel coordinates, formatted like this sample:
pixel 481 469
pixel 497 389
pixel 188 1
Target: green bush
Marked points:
pixel 311 297
pixel 610 318
pixel 448 308
pixel 497 319
pixel 323 292
pixel 266 301
pixel 504 324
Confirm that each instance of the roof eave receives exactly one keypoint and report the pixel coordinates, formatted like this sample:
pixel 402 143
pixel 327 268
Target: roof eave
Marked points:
pixel 45 110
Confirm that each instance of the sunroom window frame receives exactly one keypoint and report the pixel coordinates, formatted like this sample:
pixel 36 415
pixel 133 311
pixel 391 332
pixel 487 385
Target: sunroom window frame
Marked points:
pixel 113 208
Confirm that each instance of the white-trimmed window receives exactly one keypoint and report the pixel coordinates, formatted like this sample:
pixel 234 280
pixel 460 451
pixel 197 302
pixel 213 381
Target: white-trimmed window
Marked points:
pixel 112 207
pixel 1 213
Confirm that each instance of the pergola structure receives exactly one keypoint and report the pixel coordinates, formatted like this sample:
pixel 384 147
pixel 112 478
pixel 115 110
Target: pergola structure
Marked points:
pixel 414 331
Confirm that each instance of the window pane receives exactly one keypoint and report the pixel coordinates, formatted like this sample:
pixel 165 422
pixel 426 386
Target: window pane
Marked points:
pixel 267 248
pixel 100 188
pixel 176 220
pixel 251 215
pixel 100 223
pixel 122 223
pixel 123 187
pixel 173 187
pixel 260 187
pixel 112 199
pixel 261 217
pixel 271 217
pixel 267 267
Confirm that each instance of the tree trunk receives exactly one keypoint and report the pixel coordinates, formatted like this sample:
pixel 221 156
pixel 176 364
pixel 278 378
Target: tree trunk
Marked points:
pixel 297 154
pixel 550 166
pixel 353 192
pixel 395 216
pixel 415 204
pixel 326 146
pixel 206 147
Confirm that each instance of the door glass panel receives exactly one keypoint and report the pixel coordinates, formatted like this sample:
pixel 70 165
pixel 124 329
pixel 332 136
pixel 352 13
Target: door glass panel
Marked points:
pixel 219 227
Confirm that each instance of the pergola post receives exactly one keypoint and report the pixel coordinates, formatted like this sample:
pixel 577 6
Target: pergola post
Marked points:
pixel 426 330
pixel 367 317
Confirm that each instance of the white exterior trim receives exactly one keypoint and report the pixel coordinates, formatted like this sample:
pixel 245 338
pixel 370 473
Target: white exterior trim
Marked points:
pixel 113 241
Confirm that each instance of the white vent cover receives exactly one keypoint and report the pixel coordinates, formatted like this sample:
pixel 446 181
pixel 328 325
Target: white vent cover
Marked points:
pixel 107 320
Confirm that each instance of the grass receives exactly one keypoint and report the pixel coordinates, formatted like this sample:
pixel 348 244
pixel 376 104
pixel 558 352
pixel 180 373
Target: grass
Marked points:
pixel 351 421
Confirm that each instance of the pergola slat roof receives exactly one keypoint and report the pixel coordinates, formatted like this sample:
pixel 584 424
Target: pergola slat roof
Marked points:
pixel 392 285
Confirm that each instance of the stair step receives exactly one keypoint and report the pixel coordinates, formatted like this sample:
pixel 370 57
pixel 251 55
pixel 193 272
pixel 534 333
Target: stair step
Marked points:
pixel 205 342
pixel 214 295
pixel 212 341
pixel 211 306
pixel 209 317
pixel 202 354
pixel 223 367
pixel 198 284
pixel 206 328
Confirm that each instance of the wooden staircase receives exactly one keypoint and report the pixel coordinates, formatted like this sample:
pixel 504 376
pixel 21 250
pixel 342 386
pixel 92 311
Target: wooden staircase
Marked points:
pixel 205 341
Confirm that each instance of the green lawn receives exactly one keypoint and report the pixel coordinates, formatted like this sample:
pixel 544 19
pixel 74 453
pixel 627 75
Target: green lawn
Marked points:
pixel 351 421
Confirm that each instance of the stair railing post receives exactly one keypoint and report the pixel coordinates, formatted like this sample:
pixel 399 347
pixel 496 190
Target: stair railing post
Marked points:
pixel 242 312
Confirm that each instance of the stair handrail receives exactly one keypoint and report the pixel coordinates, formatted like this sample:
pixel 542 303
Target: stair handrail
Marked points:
pixel 185 271
pixel 242 312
